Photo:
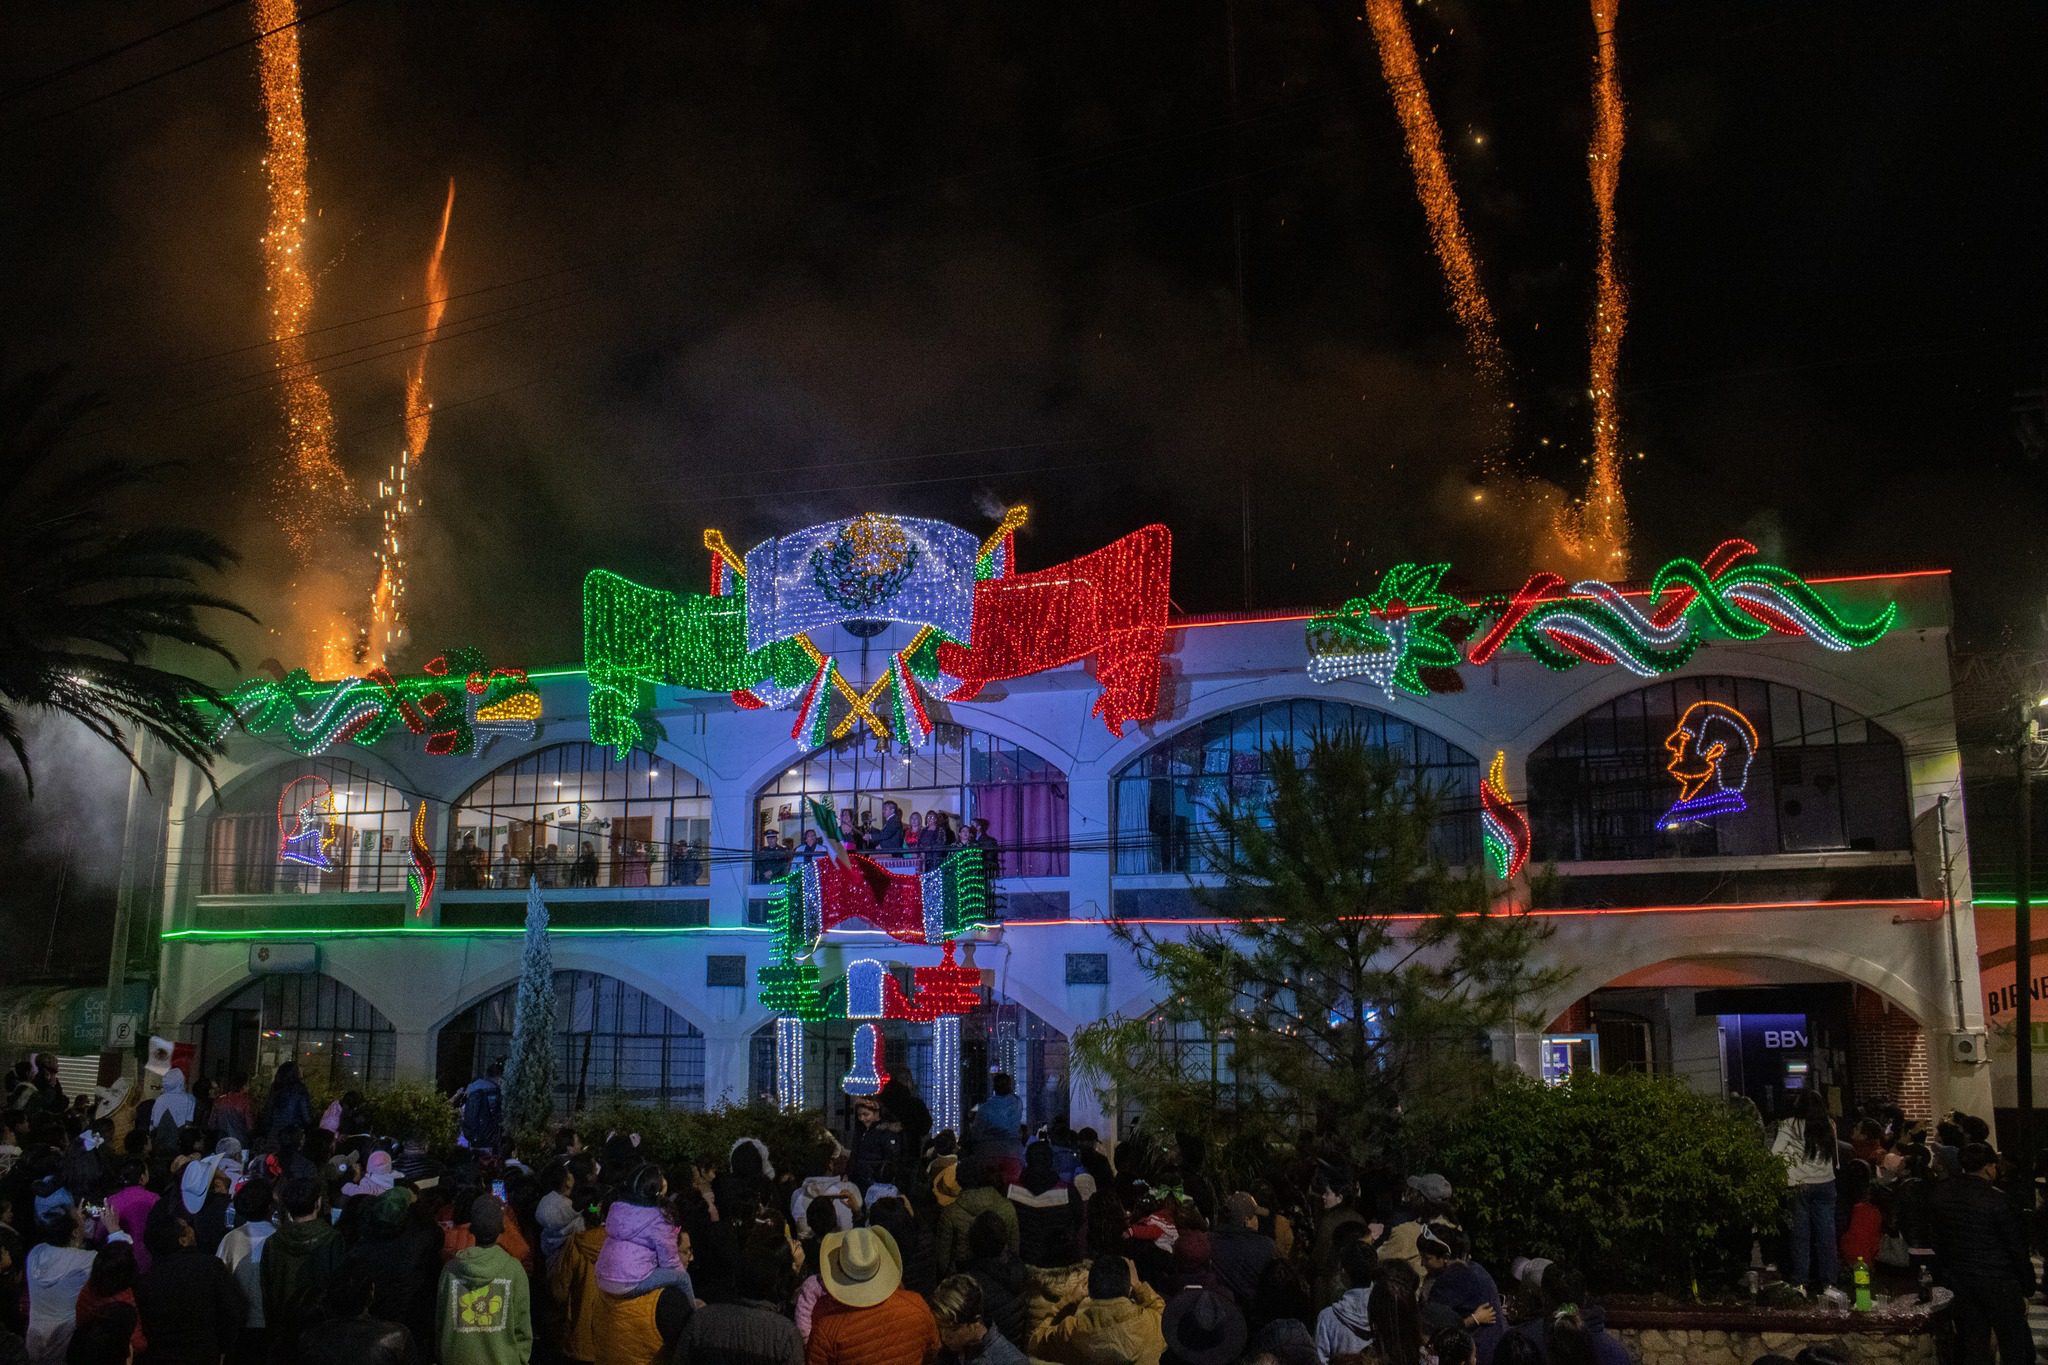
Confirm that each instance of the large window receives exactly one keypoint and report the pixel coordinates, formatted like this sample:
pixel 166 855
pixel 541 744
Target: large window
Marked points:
pixel 1165 798
pixel 1819 777
pixel 960 775
pixel 340 1040
pixel 610 1039
pixel 573 815
pixel 320 824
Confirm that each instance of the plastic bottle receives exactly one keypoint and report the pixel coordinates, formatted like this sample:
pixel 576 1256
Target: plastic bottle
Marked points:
pixel 1926 1294
pixel 1862 1282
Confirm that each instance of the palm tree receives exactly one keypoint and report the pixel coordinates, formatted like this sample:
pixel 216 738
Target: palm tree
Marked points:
pixel 84 599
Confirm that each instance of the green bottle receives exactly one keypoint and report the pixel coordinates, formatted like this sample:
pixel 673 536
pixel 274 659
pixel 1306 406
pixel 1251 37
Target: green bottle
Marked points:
pixel 1863 1301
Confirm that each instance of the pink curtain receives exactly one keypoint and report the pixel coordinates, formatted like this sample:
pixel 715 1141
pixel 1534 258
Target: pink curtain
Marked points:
pixel 1029 820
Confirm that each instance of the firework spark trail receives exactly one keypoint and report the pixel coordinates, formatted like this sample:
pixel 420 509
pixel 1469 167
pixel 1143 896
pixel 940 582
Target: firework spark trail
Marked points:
pixel 313 484
pixel 1596 532
pixel 1403 71
pixel 387 600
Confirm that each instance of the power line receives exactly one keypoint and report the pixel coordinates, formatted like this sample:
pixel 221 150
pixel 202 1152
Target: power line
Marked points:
pixel 72 68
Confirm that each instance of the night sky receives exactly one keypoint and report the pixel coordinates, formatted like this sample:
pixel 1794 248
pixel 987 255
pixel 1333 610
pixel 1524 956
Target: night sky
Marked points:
pixel 755 266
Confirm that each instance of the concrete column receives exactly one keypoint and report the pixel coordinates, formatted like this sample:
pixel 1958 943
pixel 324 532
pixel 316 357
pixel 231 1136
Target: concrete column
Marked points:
pixel 732 829
pixel 1090 826
pixel 413 1059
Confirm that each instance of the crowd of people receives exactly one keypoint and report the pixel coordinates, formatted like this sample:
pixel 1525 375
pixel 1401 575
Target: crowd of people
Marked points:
pixel 207 1228
pixel 575 863
pixel 927 838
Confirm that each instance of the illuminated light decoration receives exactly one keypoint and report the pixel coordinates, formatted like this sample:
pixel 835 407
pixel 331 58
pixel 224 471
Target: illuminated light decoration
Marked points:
pixel 1711 748
pixel 789 1064
pixel 420 877
pixel 1411 622
pixel 1595 531
pixel 870 1073
pixel 945 1100
pixel 1404 626
pixel 457 703
pixel 1506 827
pixel 312 489
pixel 387 626
pixel 306 827
pixel 864 979
pixel 979 621
pixel 1434 188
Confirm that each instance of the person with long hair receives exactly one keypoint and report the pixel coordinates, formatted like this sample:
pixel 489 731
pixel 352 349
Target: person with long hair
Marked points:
pixel 1805 1142
pixel 1395 1314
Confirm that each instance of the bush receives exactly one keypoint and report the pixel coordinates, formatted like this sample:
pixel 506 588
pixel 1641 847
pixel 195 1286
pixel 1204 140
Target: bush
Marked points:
pixel 678 1140
pixel 413 1110
pixel 1635 1180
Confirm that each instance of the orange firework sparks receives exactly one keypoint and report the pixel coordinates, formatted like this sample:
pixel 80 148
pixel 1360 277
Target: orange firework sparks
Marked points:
pixel 387 600
pixel 1433 187
pixel 1596 531
pixel 314 486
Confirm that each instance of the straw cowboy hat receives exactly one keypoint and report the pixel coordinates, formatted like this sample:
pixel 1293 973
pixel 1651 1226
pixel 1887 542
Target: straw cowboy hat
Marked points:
pixel 861 1266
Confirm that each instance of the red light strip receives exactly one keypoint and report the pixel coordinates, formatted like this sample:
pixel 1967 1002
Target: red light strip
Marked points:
pixel 1539 914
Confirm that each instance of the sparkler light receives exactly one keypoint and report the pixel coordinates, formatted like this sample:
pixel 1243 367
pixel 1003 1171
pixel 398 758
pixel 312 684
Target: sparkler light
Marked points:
pixel 313 485
pixel 1403 71
pixel 1596 531
pixel 387 600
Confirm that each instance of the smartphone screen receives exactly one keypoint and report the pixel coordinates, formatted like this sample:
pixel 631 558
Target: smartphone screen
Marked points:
pixel 498 1190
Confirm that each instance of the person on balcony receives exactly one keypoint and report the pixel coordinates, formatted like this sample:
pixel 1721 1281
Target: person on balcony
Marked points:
pixel 889 838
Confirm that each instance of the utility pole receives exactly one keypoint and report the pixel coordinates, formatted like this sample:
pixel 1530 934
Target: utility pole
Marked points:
pixel 2023 938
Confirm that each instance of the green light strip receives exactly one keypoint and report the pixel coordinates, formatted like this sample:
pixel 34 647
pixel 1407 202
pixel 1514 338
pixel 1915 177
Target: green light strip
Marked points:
pixel 445 931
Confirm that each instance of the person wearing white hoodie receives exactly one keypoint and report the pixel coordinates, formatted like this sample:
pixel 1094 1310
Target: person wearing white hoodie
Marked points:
pixel 174 1106
pixel 1343 1328
pixel 56 1270
pixel 832 1185
pixel 241 1251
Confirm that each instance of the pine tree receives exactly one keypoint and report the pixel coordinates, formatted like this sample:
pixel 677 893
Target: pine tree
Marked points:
pixel 1356 977
pixel 530 1078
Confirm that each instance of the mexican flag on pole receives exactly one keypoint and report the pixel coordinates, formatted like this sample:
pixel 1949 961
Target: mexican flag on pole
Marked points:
pixel 835 840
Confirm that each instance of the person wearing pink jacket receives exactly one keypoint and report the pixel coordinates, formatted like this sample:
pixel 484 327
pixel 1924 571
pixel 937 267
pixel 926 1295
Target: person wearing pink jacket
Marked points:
pixel 640 1254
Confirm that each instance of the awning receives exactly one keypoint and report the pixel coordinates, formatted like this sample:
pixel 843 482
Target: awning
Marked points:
pixel 68 1020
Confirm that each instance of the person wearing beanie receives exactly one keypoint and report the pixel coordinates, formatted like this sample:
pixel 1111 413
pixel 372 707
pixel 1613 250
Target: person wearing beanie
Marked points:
pixel 486 1317
pixel 1121 1314
pixel 965 1334
pixel 868 1317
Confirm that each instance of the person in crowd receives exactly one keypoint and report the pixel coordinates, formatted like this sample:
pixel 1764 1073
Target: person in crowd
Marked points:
pixel 877 1146
pixel 547 867
pixel 1394 1313
pixel 833 1186
pixel 685 863
pixel 641 1252
pixel 771 862
pixel 56 1270
pixel 572 1287
pixel 1981 1255
pixel 131 1202
pixel 485 1314
pixel 1048 1210
pixel 483 1109
pixel 1335 1190
pixel 231 1114
pixel 997 1128
pixel 1281 1313
pixel 1461 1287
pixel 1863 1228
pixel 868 1317
pixel 299 1259
pixel 49 1084
pixel 1238 1252
pixel 966 1336
pixel 748 1176
pixel 173 1111
pixel 810 848
pixel 556 1213
pixel 106 1340
pixel 459 1237
pixel 850 836
pixel 204 1191
pixel 1121 1314
pixel 289 1104
pixel 111 1283
pixel 1426 1201
pixel 889 838
pixel 753 1328
pixel 585 872
pixel 1001 1275
pixel 508 869
pixel 1088 1151
pixel 1345 1327
pixel 192 1309
pixel 935 840
pixel 241 1251
pixel 1202 1327
pixel 1805 1142
pixel 990 846
pixel 820 1222
pixel 1559 1288
pixel 914 1246
pixel 1453 1346
pixel 350 1335
pixel 901 1103
pixel 978 1195
pixel 400 1247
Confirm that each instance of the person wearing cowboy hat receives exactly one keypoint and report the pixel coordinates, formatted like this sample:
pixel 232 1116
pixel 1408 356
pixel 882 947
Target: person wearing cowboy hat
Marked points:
pixel 870 1318
pixel 1202 1327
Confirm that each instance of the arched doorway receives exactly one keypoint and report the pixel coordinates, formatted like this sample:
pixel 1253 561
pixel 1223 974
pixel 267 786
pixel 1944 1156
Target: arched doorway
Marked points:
pixel 1765 1029
pixel 611 1040
pixel 340 1040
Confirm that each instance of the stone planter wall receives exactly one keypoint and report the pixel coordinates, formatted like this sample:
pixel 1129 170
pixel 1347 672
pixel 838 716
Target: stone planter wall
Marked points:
pixel 1902 1332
